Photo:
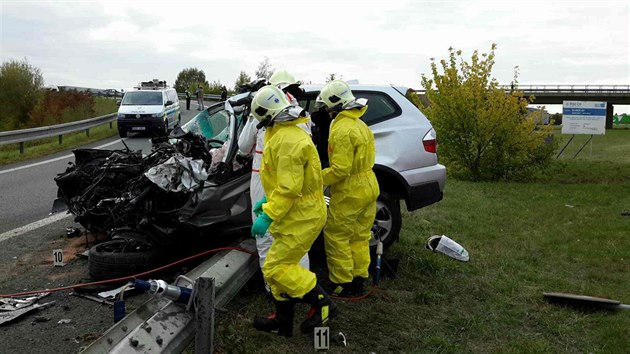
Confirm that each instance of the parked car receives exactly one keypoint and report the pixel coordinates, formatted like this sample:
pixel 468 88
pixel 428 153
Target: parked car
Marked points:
pixel 111 191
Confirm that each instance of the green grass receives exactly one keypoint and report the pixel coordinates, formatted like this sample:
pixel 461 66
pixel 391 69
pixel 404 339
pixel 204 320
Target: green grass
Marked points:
pixel 37 148
pixel 562 233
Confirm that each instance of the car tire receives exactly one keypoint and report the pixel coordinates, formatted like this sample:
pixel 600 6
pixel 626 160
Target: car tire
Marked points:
pixel 179 120
pixel 121 257
pixel 388 220
pixel 122 133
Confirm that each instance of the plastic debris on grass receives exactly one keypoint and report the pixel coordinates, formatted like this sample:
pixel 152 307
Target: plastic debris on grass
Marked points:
pixel 447 246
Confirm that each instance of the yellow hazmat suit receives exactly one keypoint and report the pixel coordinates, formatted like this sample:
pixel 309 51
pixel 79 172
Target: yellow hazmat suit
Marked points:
pixel 353 193
pixel 292 179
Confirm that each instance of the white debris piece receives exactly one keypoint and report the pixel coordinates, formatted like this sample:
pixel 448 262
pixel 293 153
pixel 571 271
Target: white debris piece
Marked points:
pixel 179 173
pixel 445 245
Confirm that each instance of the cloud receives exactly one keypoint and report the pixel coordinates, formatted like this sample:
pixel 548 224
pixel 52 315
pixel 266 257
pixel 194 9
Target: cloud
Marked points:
pixel 118 44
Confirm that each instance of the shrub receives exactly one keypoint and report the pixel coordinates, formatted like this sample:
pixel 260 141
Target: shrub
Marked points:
pixel 482 129
pixel 20 92
pixel 61 107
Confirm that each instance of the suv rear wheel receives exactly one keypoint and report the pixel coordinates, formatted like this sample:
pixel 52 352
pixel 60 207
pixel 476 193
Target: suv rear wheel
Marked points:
pixel 388 220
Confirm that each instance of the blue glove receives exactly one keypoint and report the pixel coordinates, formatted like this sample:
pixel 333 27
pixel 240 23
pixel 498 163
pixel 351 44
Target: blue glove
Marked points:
pixel 261 225
pixel 258 206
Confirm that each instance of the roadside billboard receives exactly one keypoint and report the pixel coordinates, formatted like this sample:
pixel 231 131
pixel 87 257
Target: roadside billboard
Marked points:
pixel 583 117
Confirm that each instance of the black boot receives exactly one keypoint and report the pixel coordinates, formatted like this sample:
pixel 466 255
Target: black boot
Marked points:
pixel 340 290
pixel 281 321
pixel 322 309
pixel 357 288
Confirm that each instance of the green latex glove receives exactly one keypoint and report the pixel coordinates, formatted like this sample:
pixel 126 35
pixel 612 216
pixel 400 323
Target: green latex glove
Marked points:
pixel 261 225
pixel 258 206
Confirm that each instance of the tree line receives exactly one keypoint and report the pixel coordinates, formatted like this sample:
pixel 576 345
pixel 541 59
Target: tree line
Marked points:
pixel 27 104
pixel 190 79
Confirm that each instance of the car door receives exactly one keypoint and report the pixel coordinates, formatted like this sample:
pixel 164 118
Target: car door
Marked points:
pixel 171 110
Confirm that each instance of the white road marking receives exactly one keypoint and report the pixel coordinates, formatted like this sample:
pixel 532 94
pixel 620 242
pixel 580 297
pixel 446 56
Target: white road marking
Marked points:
pixel 33 226
pixel 53 160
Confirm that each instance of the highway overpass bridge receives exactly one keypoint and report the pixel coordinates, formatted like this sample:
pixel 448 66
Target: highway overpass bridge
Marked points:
pixel 555 94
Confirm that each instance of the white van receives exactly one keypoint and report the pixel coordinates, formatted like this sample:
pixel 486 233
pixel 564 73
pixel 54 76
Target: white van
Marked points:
pixel 150 108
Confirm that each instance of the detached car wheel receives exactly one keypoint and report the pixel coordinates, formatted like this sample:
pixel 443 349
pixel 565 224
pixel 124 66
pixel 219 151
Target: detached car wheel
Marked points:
pixel 121 257
pixel 387 221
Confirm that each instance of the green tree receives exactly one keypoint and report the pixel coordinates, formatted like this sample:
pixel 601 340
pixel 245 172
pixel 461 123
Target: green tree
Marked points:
pixel 557 118
pixel 482 129
pixel 190 79
pixel 265 70
pixel 20 91
pixel 215 88
pixel 242 78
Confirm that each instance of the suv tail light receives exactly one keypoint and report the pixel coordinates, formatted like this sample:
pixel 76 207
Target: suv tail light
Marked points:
pixel 430 141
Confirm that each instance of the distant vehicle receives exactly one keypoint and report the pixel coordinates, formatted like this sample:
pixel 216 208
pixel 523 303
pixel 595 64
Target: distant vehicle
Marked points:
pixel 112 93
pixel 153 107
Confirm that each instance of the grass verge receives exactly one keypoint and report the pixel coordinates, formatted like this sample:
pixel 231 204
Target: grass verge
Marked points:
pixel 562 233
pixel 38 148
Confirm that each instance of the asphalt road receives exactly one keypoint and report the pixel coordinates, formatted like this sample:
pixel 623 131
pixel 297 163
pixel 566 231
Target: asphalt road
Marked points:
pixel 27 189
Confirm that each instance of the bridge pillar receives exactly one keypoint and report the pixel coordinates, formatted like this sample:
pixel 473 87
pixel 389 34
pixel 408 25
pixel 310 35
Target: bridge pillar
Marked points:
pixel 609 115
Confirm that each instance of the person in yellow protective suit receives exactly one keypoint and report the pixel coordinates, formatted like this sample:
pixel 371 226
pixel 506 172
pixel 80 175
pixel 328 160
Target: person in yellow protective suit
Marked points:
pixel 353 190
pixel 294 212
pixel 251 142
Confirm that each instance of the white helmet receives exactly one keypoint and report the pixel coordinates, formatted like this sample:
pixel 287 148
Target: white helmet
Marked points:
pixel 336 95
pixel 281 79
pixel 271 104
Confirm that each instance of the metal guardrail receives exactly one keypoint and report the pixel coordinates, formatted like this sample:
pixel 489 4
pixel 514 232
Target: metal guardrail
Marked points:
pixel 572 88
pixel 615 89
pixel 162 326
pixel 23 135
pixel 205 97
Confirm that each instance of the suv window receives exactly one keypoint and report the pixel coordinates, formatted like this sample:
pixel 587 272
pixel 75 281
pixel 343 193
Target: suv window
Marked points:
pixel 380 106
pixel 142 98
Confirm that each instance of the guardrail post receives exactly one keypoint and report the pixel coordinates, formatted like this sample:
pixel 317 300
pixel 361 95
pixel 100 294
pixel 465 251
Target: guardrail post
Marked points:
pixel 87 132
pixel 60 139
pixel 111 125
pixel 204 315
pixel 21 147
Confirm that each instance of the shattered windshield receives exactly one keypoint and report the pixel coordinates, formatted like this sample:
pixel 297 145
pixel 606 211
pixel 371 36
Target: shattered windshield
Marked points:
pixel 142 98
pixel 212 125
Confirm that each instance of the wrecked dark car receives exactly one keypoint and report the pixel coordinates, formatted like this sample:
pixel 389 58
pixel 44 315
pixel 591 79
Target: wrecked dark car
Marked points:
pixel 189 188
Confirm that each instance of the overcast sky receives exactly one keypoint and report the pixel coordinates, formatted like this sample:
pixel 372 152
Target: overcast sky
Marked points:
pixel 118 44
